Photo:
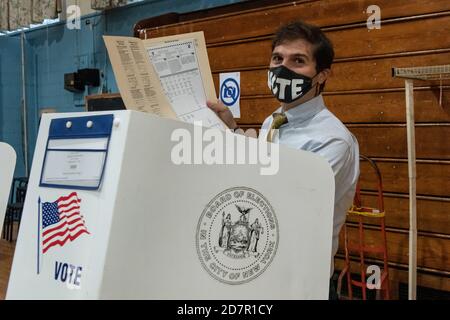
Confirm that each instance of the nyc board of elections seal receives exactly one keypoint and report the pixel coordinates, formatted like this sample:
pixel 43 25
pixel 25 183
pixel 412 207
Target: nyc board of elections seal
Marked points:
pixel 237 235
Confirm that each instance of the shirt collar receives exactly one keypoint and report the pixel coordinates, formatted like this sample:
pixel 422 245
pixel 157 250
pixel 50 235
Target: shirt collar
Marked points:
pixel 305 110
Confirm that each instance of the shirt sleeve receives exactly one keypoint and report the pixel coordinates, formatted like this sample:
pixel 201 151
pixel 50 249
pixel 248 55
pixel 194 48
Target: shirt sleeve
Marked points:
pixel 337 153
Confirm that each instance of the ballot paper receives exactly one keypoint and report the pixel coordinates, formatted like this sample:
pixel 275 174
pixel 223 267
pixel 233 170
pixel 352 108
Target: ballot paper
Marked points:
pixel 138 85
pixel 173 80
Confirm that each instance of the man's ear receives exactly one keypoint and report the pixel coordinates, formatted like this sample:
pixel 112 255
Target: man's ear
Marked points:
pixel 323 75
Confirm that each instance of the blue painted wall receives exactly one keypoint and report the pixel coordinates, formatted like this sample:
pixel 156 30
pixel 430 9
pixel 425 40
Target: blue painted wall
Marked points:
pixel 10 96
pixel 52 51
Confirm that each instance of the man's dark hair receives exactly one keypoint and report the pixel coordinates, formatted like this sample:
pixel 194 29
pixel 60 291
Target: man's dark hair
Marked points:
pixel 322 47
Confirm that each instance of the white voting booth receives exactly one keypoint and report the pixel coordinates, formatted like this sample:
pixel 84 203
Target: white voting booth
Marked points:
pixel 144 227
pixel 7 165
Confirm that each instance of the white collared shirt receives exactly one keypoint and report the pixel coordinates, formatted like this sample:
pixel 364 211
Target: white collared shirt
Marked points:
pixel 312 127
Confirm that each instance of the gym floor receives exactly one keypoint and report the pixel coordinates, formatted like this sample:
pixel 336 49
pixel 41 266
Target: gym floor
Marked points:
pixel 6 257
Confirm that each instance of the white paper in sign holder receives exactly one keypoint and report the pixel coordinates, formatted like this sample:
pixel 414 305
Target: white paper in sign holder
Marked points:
pixel 76 152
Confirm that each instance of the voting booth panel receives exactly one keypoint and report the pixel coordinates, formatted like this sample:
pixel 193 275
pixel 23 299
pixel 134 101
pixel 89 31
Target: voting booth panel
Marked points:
pixel 156 228
pixel 7 165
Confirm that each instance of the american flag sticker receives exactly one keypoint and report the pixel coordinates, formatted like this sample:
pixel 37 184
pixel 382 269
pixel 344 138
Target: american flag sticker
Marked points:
pixel 62 222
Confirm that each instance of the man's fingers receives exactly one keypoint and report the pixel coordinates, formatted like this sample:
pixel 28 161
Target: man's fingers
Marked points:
pixel 216 106
pixel 222 112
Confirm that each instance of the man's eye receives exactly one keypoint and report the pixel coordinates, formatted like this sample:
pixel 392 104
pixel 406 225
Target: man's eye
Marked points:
pixel 276 59
pixel 298 60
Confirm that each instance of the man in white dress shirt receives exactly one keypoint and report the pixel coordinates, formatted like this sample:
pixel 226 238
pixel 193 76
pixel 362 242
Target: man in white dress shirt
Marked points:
pixel 300 64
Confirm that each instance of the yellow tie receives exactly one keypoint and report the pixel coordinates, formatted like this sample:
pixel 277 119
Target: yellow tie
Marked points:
pixel 278 120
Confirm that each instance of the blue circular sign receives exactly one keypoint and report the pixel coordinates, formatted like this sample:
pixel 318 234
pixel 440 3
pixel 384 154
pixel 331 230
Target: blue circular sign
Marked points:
pixel 229 92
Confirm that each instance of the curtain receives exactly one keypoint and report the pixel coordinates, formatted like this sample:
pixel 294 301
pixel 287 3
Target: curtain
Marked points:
pixel 4 13
pixel 107 4
pixel 16 14
pixel 45 9
pixel 19 13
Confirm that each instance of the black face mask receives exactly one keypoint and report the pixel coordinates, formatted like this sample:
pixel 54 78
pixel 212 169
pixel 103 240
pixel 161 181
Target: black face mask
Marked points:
pixel 286 85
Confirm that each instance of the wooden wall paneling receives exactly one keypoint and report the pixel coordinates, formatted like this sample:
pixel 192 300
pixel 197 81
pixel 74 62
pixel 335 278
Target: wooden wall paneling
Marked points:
pixel 353 42
pixel 254 110
pixel 433 179
pixel 432 213
pixel 389 106
pixel 432 252
pixel 398 36
pixel 375 73
pixel 399 273
pixel 264 21
pixel 432 141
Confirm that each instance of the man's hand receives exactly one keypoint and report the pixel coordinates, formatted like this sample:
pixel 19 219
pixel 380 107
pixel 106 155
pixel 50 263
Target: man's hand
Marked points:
pixel 223 113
